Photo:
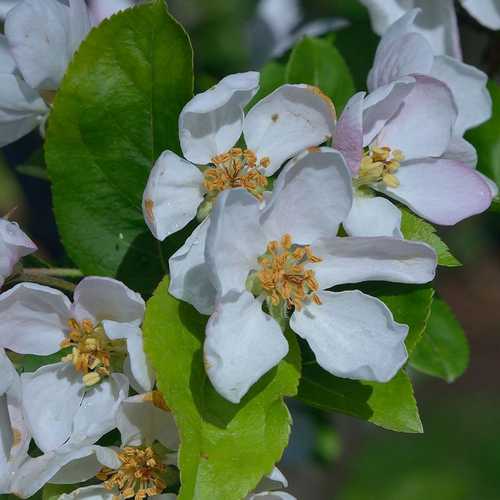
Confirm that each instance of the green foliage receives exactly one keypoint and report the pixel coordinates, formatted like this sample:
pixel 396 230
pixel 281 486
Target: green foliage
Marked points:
pixel 272 75
pixel 225 448
pixel 317 62
pixel 486 139
pixel 54 491
pixel 115 112
pixel 415 228
pixel 391 405
pixel 443 351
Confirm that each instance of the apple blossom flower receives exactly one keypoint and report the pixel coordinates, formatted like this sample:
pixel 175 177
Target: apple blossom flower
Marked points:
pixel 404 52
pixel 437 21
pixel 101 331
pixel 290 119
pixel 14 245
pixel 14 434
pixel 390 150
pixel 40 39
pixel 149 440
pixel 287 255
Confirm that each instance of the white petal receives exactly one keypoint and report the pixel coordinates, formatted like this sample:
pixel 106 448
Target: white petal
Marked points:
pixel 353 336
pixel 99 298
pixel 348 135
pixel 34 319
pixel 310 198
pixel 190 278
pixel 461 150
pixel 36 28
pixel 271 495
pixel 287 121
pixel 273 481
pixel 441 191
pixel 382 104
pixel 242 344
pixel 281 16
pixel 101 9
pixel 468 86
pixel 234 240
pixel 373 216
pixel 138 370
pixel 6 5
pixel 7 63
pixel 79 23
pixel 7 372
pixel 14 245
pixel 88 493
pixel 430 102
pixel 353 260
pixel 81 467
pixel 51 398
pixel 211 122
pixel 487 12
pixel 140 422
pixel 36 472
pixel 492 185
pixel 6 440
pixel 172 196
pixel 21 109
pixel 96 414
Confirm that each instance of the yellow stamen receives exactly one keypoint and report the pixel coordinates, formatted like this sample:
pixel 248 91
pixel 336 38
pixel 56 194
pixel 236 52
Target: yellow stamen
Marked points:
pixel 379 164
pixel 283 276
pixel 139 476
pixel 236 168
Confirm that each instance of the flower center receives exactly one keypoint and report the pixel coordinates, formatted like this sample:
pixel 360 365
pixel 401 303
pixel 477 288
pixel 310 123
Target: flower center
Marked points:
pixel 91 350
pixel 139 476
pixel 282 276
pixel 379 165
pixel 236 169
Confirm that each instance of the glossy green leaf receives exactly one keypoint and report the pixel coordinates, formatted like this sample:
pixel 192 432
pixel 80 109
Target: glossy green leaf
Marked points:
pixel 272 75
pixel 443 351
pixel 486 139
pixel 225 448
pixel 116 111
pixel 391 405
pixel 317 62
pixel 415 228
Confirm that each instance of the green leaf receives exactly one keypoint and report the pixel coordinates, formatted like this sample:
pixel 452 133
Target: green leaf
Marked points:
pixel 443 351
pixel 486 139
pixel 391 405
pixel 409 304
pixel 54 491
pixel 115 112
pixel 272 75
pixel 317 62
pixel 415 228
pixel 225 448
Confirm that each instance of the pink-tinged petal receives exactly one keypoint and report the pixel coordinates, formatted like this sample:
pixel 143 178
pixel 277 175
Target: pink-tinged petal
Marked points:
pixel 487 12
pixel 430 103
pixel 441 191
pixel 382 104
pixel 34 319
pixel 287 121
pixel 491 184
pixel 357 259
pixel 99 298
pixel 234 240
pixel 242 344
pixel 211 122
pixel 462 151
pixel 311 197
pixel 468 86
pixel 102 9
pixel 373 216
pixel 353 336
pixel 190 278
pixel 348 135
pixel 172 196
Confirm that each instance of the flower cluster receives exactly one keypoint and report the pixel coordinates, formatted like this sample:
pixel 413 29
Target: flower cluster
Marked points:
pixel 295 208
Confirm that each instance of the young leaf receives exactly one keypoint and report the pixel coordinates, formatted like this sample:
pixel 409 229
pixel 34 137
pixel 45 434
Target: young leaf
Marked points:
pixel 391 405
pixel 415 228
pixel 115 112
pixel 225 448
pixel 443 351
pixel 317 62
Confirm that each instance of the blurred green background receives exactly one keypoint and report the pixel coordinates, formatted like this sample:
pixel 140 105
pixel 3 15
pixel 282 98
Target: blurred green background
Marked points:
pixel 335 457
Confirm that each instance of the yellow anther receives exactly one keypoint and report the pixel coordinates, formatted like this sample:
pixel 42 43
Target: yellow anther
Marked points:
pixel 91 379
pixel 283 276
pixel 379 164
pixel 140 474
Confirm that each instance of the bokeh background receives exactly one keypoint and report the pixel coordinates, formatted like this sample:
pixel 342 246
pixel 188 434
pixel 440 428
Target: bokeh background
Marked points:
pixel 336 457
